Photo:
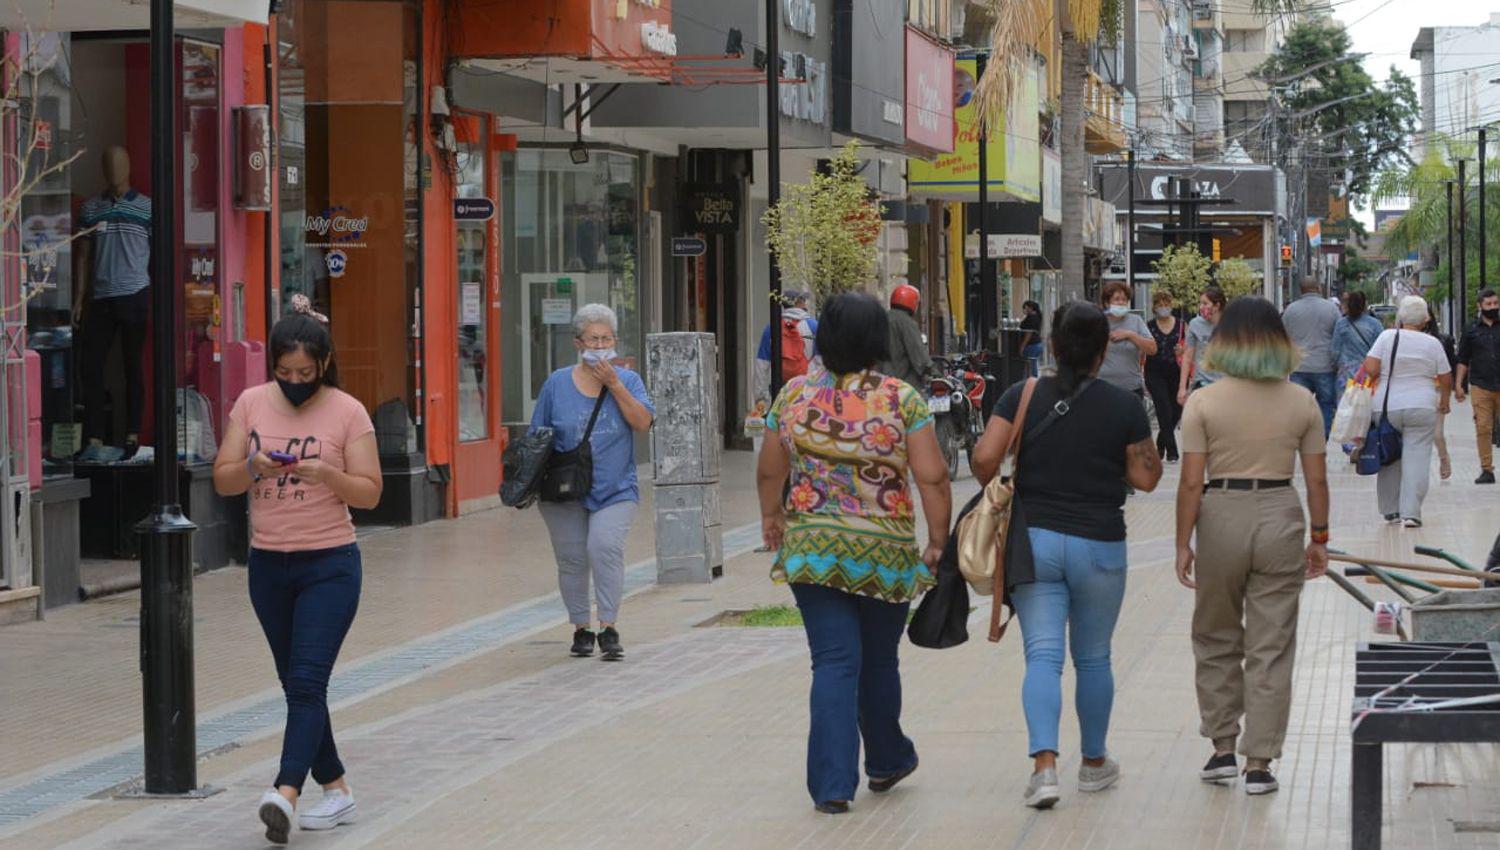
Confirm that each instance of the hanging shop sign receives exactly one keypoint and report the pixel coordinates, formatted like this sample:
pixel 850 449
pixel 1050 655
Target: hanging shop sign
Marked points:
pixel 929 92
pixel 252 155
pixel 1005 245
pixel 711 208
pixel 688 246
pixel 1013 159
pixel 1248 189
pixel 1051 187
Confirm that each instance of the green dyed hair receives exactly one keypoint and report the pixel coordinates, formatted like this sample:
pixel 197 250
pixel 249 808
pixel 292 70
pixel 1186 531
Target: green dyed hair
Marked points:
pixel 1251 342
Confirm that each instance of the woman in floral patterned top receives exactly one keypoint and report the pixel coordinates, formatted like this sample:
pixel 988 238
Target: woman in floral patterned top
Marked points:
pixel 845 536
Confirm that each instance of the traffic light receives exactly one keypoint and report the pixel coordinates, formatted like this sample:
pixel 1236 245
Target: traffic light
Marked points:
pixel 1286 255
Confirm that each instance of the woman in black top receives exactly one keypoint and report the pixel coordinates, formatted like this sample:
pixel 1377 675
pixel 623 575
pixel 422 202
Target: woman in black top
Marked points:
pixel 1031 341
pixel 1071 477
pixel 1164 372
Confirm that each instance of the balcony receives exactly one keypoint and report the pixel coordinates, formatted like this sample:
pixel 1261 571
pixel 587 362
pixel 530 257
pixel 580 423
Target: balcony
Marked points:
pixel 1104 122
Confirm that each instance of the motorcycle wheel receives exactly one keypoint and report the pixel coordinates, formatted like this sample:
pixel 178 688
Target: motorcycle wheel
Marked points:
pixel 949 440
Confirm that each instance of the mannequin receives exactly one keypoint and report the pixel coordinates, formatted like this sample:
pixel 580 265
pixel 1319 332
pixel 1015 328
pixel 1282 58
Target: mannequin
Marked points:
pixel 114 299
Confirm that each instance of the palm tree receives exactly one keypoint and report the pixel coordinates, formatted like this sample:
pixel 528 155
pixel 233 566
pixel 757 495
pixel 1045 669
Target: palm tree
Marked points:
pixel 1425 223
pixel 1018 25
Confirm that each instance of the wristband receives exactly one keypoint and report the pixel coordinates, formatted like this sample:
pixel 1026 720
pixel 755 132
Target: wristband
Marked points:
pixel 1319 536
pixel 250 467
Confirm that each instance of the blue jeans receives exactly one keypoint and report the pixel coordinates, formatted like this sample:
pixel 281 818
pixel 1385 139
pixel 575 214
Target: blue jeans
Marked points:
pixel 856 689
pixel 305 602
pixel 1033 356
pixel 1324 387
pixel 1079 586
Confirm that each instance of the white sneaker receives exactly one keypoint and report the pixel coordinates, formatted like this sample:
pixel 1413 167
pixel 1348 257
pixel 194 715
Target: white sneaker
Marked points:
pixel 336 807
pixel 276 813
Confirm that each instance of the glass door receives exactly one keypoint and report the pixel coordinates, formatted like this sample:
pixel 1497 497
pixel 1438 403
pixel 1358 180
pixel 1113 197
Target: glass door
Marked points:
pixel 476 471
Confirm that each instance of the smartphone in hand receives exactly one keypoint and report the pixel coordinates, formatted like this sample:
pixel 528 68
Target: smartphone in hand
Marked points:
pixel 282 458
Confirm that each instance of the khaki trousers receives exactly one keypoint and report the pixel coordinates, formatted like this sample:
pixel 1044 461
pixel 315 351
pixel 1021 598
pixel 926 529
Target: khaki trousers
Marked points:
pixel 1250 569
pixel 1485 403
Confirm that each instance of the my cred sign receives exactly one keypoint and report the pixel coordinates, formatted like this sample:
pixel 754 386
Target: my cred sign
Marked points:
pixel 929 92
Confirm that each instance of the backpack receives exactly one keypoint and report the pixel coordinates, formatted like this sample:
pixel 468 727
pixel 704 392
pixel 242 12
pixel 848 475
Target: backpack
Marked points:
pixel 793 350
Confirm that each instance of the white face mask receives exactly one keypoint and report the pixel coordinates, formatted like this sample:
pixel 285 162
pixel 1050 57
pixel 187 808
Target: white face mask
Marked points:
pixel 599 355
pixel 1163 311
pixel 1119 310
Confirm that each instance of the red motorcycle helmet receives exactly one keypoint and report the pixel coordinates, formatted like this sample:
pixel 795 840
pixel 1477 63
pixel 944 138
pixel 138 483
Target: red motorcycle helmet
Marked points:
pixel 906 297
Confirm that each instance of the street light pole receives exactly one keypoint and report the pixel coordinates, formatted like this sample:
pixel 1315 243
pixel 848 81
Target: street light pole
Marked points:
pixel 1483 269
pixel 1456 320
pixel 773 178
pixel 1463 247
pixel 170 727
pixel 1130 226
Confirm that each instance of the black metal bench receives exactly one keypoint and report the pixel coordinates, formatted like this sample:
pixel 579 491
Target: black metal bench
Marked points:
pixel 1391 680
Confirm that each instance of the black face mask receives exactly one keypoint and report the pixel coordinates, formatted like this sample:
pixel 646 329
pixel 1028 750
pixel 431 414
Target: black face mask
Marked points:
pixel 1493 314
pixel 298 393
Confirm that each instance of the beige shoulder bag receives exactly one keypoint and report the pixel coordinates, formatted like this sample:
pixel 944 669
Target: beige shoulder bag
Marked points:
pixel 982 532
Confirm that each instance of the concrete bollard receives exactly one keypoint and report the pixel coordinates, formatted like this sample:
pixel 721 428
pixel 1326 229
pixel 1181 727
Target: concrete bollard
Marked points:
pixel 682 370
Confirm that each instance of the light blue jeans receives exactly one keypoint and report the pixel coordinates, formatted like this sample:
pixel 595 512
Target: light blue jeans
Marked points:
pixel 1079 586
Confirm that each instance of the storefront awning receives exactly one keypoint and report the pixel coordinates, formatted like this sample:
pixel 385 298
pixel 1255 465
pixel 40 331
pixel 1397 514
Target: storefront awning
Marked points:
pixel 56 16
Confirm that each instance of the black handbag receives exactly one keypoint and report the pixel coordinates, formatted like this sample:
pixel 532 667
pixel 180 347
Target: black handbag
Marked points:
pixel 942 617
pixel 570 474
pixel 525 461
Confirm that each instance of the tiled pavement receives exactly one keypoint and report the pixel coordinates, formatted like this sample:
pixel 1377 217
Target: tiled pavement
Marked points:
pixel 697 740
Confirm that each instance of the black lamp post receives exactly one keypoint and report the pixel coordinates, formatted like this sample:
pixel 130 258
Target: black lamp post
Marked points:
pixel 170 727
pixel 773 177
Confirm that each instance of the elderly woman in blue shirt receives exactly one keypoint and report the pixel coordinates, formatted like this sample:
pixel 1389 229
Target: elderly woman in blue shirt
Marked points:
pixel 588 536
pixel 1353 335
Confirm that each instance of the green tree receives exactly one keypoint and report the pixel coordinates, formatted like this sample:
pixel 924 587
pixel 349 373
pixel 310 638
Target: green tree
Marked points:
pixel 1236 278
pixel 823 231
pixel 1183 272
pixel 1336 108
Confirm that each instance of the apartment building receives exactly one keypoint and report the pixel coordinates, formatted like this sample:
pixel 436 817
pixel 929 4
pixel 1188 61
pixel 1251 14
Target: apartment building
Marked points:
pixel 1455 87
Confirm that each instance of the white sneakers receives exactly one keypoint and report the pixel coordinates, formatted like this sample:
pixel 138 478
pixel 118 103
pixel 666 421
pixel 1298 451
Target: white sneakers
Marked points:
pixel 276 812
pixel 336 807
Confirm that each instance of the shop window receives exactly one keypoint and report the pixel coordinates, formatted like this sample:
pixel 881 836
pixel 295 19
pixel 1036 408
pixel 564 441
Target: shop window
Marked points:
pixel 473 301
pixel 572 237
pixel 350 195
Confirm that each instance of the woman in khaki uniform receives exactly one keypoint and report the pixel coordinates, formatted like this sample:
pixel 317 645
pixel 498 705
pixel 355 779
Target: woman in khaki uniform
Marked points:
pixel 1243 435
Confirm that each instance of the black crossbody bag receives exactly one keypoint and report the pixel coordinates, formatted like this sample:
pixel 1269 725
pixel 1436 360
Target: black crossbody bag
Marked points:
pixel 570 474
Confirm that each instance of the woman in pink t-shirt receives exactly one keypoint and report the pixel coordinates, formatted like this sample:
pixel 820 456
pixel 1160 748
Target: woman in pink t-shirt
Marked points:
pixel 305 452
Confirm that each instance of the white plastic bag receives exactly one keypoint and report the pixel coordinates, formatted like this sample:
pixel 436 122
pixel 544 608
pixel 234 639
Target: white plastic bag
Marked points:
pixel 1352 421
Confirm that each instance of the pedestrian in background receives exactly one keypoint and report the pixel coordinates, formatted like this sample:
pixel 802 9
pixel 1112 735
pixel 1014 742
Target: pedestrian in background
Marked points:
pixel 608 405
pixel 1031 337
pixel 1440 437
pixel 1309 322
pixel 1245 433
pixel 1129 341
pixel 797 325
pixel 1415 383
pixel 1353 335
pixel 305 451
pixel 1074 464
pixel 1479 377
pixel 847 543
pixel 1199 332
pixel 1164 372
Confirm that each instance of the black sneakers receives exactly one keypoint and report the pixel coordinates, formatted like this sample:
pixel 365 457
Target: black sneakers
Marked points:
pixel 1485 477
pixel 885 783
pixel 1220 768
pixel 1260 782
pixel 583 643
pixel 609 645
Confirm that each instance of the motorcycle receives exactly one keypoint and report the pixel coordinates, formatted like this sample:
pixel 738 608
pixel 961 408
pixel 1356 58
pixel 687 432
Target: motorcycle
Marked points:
pixel 956 399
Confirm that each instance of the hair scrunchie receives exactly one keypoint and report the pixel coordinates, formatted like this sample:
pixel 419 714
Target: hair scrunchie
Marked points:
pixel 302 304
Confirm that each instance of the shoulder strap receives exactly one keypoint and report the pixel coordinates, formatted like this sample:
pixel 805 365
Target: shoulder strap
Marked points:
pixel 1360 334
pixel 594 417
pixel 1016 427
pixel 1390 375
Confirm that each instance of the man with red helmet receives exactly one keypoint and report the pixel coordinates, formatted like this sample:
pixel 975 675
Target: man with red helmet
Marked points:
pixel 909 360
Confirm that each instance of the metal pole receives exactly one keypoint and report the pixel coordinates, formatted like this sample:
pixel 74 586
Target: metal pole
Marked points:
pixel 1484 270
pixel 987 313
pixel 773 177
pixel 166 553
pixel 1130 225
pixel 1456 320
pixel 1463 223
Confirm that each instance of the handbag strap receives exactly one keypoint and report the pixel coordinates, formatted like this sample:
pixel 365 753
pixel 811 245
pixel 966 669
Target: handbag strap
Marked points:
pixel 1014 446
pixel 1358 333
pixel 594 417
pixel 1390 376
pixel 997 628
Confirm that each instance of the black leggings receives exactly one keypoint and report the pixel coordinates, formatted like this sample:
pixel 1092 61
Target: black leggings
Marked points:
pixel 128 316
pixel 1162 384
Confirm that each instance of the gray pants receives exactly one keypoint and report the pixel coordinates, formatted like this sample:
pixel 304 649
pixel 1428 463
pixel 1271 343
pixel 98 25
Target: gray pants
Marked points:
pixel 587 542
pixel 1401 487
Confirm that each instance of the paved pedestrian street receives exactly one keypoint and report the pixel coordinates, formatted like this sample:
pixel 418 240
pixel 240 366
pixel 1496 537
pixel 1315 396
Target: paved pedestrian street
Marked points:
pixel 464 724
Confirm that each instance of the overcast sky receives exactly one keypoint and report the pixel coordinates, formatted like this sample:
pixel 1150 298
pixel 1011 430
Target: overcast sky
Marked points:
pixel 1386 28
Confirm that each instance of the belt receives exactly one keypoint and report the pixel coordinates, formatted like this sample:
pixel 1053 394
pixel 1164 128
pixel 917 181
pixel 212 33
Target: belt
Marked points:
pixel 1248 483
